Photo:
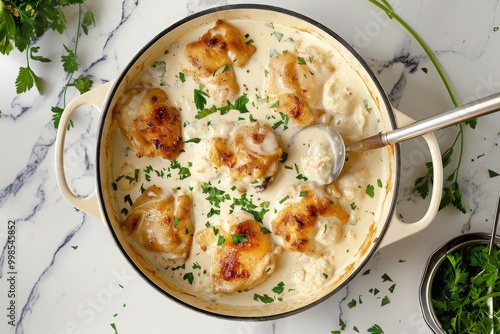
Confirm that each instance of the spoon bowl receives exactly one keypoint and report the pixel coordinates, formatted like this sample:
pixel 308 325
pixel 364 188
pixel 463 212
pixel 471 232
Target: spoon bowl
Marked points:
pixel 338 149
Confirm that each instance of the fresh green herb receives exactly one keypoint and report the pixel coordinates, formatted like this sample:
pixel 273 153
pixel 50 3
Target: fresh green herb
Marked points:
pixel 265 230
pixel 184 172
pixel 461 287
pixel 200 98
pixel 124 211
pixel 379 183
pixel 391 288
pixel 301 61
pixel 374 291
pixel 74 247
pixel 265 298
pixel 424 69
pixel 352 303
pixel 284 120
pixel 452 192
pixel 283 200
pixel 182 266
pixel 240 105
pixel 367 107
pixel 385 301
pixel 353 206
pixel 69 61
pixel 182 77
pixel 196 265
pixel 492 173
pixel 160 67
pixel 128 199
pixel 279 288
pixel 188 277
pixel 386 278
pixel 325 275
pixel 22 22
pixel 215 195
pixel 370 190
pixel 193 140
pixel 495 29
pixel 239 238
pixel 248 206
pixel 375 329
pixel 303 194
pixel 221 240
pixel 176 221
pixel 114 327
pixel 342 324
pixel 278 35
pixel 366 272
pixel 284 157
pixel 213 212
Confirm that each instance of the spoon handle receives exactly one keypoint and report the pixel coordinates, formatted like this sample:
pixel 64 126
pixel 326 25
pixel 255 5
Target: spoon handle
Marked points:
pixel 494 228
pixel 468 111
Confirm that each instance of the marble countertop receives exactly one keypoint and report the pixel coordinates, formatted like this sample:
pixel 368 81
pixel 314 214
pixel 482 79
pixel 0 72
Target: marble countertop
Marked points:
pixel 70 276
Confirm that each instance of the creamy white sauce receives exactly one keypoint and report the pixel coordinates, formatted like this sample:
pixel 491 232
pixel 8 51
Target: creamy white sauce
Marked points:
pixel 345 100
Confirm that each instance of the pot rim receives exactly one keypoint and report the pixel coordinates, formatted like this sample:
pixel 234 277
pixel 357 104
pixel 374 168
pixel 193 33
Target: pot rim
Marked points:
pixel 385 102
pixel 434 262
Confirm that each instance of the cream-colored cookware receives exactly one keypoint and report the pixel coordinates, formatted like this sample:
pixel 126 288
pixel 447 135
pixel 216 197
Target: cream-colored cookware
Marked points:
pixel 295 281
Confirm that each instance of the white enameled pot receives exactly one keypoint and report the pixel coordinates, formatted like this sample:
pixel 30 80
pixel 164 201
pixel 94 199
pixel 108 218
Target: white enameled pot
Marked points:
pixel 389 228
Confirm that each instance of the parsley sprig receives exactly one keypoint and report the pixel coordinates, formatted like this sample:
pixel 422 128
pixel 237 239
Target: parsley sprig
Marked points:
pixel 452 192
pixel 200 101
pixel 24 21
pixel 461 288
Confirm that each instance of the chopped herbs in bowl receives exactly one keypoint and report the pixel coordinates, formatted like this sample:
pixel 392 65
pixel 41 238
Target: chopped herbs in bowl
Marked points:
pixel 459 284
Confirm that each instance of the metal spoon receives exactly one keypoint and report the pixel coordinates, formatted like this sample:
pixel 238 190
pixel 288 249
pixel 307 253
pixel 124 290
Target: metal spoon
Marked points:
pixel 468 111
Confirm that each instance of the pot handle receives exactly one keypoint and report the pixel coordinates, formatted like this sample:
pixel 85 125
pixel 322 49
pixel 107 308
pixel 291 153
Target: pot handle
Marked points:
pixel 95 97
pixel 398 229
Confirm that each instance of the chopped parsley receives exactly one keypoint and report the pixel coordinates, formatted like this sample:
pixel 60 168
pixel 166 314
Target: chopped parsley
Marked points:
pixel 279 288
pixel 240 105
pixel 193 140
pixel 264 299
pixel 367 107
pixel 370 190
pixel 221 240
pixel 239 238
pixel 176 221
pixel 215 195
pixel 188 277
pixel 492 173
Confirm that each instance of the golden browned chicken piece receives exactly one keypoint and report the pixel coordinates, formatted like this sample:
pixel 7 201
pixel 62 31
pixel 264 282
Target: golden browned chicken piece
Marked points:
pixel 294 84
pixel 242 255
pixel 282 87
pixel 249 153
pixel 307 214
pixel 162 223
pixel 209 60
pixel 151 126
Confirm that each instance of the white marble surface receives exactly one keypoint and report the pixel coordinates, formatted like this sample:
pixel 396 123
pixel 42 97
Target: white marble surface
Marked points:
pixel 60 289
